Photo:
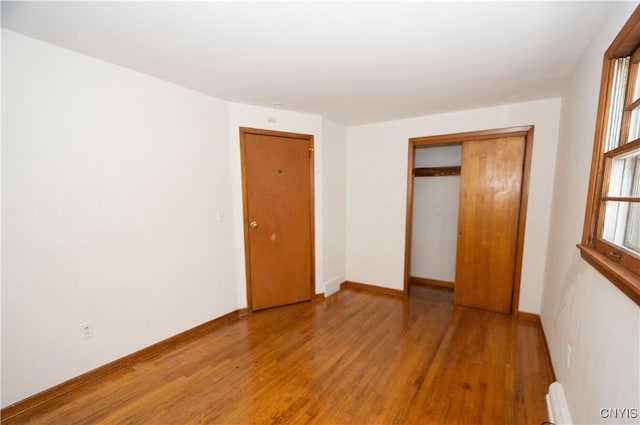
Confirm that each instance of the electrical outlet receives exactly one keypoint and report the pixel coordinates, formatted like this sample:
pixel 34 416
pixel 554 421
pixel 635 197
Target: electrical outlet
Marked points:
pixel 568 355
pixel 86 330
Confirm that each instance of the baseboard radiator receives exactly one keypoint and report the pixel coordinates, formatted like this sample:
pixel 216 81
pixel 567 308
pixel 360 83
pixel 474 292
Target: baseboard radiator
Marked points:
pixel 557 405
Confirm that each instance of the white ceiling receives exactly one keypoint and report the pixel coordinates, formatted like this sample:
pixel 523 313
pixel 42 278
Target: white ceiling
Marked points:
pixel 353 62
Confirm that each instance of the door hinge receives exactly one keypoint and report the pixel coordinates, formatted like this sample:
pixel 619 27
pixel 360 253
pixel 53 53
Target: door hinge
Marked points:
pixel 310 152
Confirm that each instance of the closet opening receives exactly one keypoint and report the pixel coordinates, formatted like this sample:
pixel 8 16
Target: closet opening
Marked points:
pixel 436 196
pixel 466 214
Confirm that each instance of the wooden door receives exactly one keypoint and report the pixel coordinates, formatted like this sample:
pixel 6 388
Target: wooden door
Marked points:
pixel 278 207
pixel 490 190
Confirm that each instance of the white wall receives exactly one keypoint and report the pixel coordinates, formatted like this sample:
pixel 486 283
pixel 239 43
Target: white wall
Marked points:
pixel 111 184
pixel 334 199
pixel 1 274
pixel 435 215
pixel 580 307
pixel 377 183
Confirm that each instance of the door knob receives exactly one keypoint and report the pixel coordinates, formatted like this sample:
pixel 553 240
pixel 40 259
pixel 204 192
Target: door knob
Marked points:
pixel 254 225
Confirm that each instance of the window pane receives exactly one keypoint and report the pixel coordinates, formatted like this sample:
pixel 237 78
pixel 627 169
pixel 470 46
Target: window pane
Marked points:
pixel 615 215
pixel 632 237
pixel 616 103
pixel 625 175
pixel 621 224
pixel 634 125
pixel 636 88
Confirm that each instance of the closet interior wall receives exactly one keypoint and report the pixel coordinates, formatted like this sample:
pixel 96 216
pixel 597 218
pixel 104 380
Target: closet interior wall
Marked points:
pixel 435 214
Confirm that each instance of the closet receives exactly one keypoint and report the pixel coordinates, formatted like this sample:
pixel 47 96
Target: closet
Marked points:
pixel 436 193
pixel 474 246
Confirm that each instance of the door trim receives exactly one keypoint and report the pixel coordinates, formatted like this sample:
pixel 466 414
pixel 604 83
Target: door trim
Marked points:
pixel 245 212
pixel 456 138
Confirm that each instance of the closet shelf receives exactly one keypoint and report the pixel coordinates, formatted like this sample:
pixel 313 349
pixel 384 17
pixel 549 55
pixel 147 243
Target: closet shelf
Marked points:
pixel 437 171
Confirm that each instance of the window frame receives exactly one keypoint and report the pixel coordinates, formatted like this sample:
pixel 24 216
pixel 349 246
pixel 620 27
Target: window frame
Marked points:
pixel 624 272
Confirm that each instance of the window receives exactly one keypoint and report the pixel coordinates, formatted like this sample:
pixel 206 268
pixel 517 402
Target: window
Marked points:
pixel 611 238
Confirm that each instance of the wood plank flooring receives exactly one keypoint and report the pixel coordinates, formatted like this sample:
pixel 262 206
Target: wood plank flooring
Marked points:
pixel 354 358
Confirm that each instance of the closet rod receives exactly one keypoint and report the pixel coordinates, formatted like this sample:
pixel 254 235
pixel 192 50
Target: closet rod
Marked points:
pixel 437 171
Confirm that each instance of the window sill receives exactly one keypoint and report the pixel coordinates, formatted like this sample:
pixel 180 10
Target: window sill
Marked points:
pixel 625 280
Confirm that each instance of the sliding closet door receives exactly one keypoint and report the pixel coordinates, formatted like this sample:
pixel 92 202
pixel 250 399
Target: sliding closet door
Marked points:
pixel 490 189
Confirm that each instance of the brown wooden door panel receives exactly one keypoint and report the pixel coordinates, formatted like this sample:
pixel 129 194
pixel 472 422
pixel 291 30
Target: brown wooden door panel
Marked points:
pixel 490 190
pixel 278 199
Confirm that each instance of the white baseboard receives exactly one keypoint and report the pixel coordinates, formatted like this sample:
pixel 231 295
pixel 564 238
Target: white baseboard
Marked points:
pixel 557 405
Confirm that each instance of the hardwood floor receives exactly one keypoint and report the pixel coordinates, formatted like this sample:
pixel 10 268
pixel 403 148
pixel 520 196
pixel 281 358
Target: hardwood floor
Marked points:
pixel 354 358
